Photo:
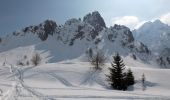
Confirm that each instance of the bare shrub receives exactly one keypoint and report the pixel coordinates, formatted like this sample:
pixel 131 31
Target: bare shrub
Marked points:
pixel 97 59
pixel 36 59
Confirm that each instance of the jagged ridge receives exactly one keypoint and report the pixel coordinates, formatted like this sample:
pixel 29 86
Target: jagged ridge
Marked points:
pixel 78 36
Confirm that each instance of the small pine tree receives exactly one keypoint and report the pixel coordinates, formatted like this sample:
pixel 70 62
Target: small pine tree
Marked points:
pixel 129 77
pixel 90 53
pixel 143 82
pixel 117 76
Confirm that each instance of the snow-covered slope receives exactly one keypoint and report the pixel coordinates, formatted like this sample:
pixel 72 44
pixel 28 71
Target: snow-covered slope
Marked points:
pixel 75 80
pixel 156 35
pixel 71 40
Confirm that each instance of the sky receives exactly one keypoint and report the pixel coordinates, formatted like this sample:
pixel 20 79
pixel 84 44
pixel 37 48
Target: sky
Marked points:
pixel 17 14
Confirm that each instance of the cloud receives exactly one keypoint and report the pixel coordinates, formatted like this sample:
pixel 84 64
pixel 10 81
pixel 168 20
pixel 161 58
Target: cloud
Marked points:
pixel 134 22
pixel 129 21
pixel 165 18
pixel 139 24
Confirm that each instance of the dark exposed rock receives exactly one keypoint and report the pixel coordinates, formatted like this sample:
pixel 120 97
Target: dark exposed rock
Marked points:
pixel 98 40
pixel 49 27
pixel 35 28
pixel 110 37
pixel 93 34
pixel 130 36
pixel 134 57
pixel 168 60
pixel 42 30
pixel 161 61
pixel 26 29
pixel 16 33
pixel 141 48
pixel 77 36
pixel 43 36
pixel 72 21
pixel 164 57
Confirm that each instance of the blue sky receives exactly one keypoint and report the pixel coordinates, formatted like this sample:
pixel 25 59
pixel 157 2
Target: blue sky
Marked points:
pixel 17 14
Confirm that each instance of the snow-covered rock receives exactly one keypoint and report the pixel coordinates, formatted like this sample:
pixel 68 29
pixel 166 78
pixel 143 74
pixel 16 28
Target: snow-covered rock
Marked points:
pixel 95 20
pixel 72 40
pixel 156 35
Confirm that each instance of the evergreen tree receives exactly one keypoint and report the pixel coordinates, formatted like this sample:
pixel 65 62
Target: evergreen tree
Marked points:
pixel 143 82
pixel 129 77
pixel 117 76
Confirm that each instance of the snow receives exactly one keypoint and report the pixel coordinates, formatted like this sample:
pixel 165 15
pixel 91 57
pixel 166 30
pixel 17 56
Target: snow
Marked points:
pixel 73 79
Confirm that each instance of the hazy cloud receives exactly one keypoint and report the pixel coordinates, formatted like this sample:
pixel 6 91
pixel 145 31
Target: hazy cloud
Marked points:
pixel 165 18
pixel 129 21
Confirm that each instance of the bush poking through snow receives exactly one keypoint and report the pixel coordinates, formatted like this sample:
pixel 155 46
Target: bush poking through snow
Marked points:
pixel 20 63
pixel 36 59
pixel 97 59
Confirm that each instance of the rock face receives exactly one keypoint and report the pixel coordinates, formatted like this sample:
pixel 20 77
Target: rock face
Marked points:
pixel 95 20
pixel 75 29
pixel 75 37
pixel 122 38
pixel 163 58
pixel 123 32
pixel 44 29
pixel 49 27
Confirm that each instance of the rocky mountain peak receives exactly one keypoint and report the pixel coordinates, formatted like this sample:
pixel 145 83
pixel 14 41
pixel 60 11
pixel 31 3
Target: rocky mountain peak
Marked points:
pixel 95 20
pixel 124 33
pixel 156 36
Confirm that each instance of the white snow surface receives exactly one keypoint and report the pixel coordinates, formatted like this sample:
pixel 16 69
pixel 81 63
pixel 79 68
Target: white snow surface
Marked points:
pixel 75 80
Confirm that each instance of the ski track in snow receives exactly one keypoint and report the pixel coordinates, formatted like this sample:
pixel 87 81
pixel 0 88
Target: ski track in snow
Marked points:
pixel 19 84
pixel 61 79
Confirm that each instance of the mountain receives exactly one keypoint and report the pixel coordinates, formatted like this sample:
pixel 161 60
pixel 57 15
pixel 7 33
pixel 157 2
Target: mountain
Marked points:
pixel 71 40
pixel 156 35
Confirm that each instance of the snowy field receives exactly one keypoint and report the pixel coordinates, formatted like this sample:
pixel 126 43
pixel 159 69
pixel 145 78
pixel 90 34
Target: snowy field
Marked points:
pixel 75 80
